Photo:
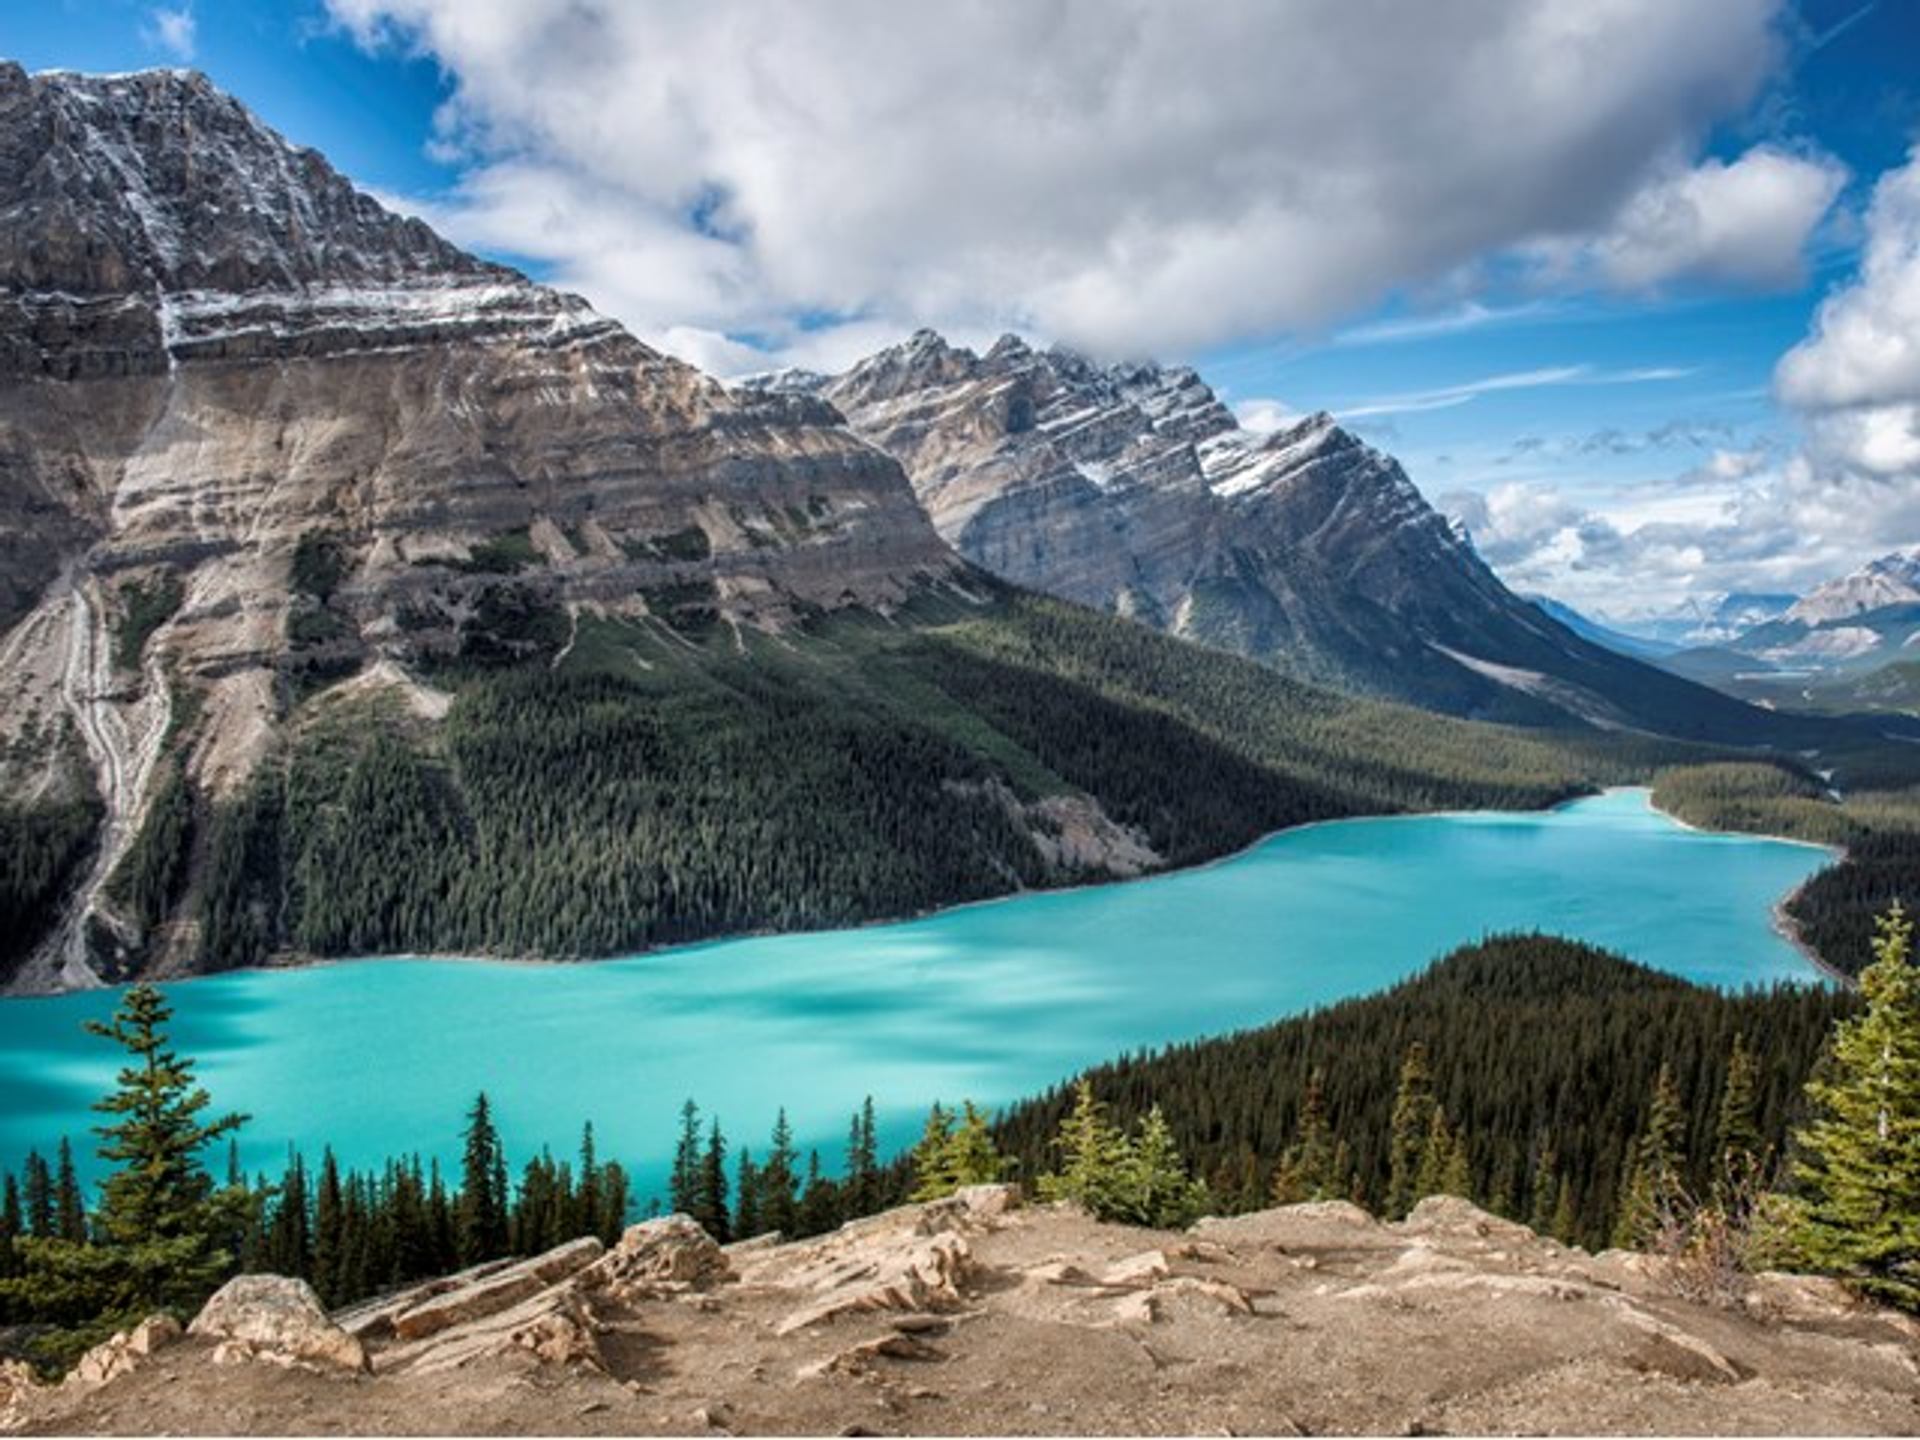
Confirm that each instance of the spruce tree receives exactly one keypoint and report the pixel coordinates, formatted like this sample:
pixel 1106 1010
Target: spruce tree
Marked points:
pixel 710 1205
pixel 1431 1177
pixel 289 1234
pixel 587 1206
pixel 1155 1188
pixel 161 1228
pixel 614 1198
pixel 779 1181
pixel 1736 1140
pixel 329 1234
pixel 12 1227
pixel 481 1211
pixel 1857 1211
pixel 1306 1171
pixel 1093 1154
pixel 929 1157
pixel 860 1188
pixel 746 1197
pixel 683 1185
pixel 819 1200
pixel 972 1158
pixel 39 1197
pixel 1546 1191
pixel 69 1210
pixel 1412 1122
pixel 1653 1184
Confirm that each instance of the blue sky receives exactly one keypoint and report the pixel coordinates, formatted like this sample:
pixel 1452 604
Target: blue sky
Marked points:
pixel 1567 336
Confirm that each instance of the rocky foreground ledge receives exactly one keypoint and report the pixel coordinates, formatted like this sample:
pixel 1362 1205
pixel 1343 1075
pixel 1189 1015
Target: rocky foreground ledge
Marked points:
pixel 977 1315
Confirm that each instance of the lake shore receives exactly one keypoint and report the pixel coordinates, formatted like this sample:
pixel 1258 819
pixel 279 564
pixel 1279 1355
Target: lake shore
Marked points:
pixel 287 961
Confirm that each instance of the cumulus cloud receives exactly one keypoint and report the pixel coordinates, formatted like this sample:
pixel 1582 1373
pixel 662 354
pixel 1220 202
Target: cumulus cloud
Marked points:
pixel 173 31
pixel 1124 175
pixel 1856 377
pixel 1746 223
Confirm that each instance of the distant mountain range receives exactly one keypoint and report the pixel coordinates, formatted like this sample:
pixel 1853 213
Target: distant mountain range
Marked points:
pixel 1132 488
pixel 1826 650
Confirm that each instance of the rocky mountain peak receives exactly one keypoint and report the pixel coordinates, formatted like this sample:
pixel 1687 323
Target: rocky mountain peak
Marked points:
pixel 1131 486
pixel 158 180
pixel 1892 579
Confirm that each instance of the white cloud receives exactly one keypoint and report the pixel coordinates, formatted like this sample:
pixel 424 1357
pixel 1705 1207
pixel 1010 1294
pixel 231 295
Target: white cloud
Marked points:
pixel 1856 377
pixel 1263 415
pixel 1121 174
pixel 1446 397
pixel 1745 223
pixel 1471 315
pixel 172 30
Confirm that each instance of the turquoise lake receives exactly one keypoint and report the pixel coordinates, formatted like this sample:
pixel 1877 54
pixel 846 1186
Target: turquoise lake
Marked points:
pixel 991 1001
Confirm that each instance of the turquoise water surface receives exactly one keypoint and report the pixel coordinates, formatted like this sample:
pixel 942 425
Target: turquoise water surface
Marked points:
pixel 991 1001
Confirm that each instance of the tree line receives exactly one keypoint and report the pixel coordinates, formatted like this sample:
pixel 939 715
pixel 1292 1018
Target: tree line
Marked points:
pixel 1545 1080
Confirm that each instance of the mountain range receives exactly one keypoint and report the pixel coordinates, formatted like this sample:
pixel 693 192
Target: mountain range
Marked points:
pixel 360 595
pixel 1132 488
pixel 1849 644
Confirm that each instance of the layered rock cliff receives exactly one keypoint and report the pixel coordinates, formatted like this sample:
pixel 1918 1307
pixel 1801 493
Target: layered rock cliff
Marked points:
pixel 974 1316
pixel 1132 487
pixel 259 433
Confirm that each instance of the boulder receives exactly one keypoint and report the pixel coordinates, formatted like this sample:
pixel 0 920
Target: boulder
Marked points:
pixel 497 1291
pixel 885 1271
pixel 271 1317
pixel 123 1353
pixel 1449 1215
pixel 565 1334
pixel 659 1257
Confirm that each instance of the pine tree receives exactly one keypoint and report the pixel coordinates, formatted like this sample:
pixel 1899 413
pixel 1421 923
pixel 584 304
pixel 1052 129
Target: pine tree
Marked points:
pixel 746 1197
pixel 683 1186
pixel 1413 1111
pixel 39 1197
pixel 779 1204
pixel 1431 1178
pixel 972 1158
pixel 1156 1189
pixel 614 1198
pixel 1546 1191
pixel 289 1236
pixel 481 1211
pixel 1857 1213
pixel 329 1234
pixel 1306 1171
pixel 1566 1217
pixel 69 1210
pixel 587 1218
pixel 1737 1127
pixel 1653 1187
pixel 819 1200
pixel 12 1227
pixel 1093 1154
pixel 710 1206
pixel 860 1187
pixel 1456 1175
pixel 162 1227
pixel 929 1157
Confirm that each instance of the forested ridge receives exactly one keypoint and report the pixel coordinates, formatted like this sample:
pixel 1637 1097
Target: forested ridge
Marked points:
pixel 653 787
pixel 647 792
pixel 1543 1055
pixel 1868 806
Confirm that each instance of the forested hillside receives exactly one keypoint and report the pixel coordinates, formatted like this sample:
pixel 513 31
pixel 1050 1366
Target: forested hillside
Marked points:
pixel 648 790
pixel 1541 1054
pixel 1868 805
